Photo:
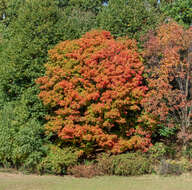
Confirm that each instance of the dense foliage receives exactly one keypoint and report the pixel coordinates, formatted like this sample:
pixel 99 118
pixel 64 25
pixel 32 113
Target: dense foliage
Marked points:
pixel 93 87
pixel 113 76
pixel 124 164
pixel 127 18
pixel 57 160
pixel 179 10
pixel 169 57
pixel 28 30
pixel 21 141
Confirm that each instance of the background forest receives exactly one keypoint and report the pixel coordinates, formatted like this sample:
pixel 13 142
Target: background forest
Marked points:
pixel 96 87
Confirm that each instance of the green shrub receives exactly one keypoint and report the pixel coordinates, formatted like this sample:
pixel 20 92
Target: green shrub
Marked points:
pixel 6 139
pixel 105 164
pixel 171 167
pixel 29 146
pixel 186 164
pixel 130 164
pixel 187 152
pixel 158 151
pixel 58 160
pixel 21 141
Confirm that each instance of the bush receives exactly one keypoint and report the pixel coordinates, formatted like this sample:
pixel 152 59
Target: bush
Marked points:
pixel 87 171
pixel 58 160
pixel 6 137
pixel 104 163
pixel 187 152
pixel 158 151
pixel 29 146
pixel 175 167
pixel 21 142
pixel 130 164
pixel 186 164
pixel 170 167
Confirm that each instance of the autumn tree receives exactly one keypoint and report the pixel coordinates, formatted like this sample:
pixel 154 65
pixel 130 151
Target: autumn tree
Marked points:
pixel 168 55
pixel 93 89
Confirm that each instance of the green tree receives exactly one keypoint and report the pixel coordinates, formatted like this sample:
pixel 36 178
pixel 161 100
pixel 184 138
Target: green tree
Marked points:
pixel 77 22
pixel 9 9
pixel 179 10
pixel 86 5
pixel 24 49
pixel 132 18
pixel 25 42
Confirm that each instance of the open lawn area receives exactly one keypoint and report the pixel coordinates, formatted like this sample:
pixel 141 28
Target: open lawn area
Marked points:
pixel 10 181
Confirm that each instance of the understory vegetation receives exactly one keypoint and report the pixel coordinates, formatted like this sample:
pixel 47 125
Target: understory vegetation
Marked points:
pixel 96 87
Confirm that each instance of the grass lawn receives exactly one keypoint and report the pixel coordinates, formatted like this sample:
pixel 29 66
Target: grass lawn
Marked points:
pixel 10 181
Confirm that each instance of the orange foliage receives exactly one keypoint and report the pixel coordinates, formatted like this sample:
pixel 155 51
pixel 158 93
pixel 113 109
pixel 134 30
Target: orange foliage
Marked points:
pixel 168 55
pixel 93 87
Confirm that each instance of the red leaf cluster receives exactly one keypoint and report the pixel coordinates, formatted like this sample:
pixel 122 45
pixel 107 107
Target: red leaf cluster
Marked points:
pixel 93 87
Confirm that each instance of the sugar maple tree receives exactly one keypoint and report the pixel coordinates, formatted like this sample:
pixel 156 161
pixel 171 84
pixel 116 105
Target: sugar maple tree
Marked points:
pixel 93 87
pixel 168 55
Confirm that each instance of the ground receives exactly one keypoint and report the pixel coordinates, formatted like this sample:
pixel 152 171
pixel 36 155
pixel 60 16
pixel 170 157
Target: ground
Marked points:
pixel 11 181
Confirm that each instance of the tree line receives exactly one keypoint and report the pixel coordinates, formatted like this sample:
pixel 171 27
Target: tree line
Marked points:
pixel 84 77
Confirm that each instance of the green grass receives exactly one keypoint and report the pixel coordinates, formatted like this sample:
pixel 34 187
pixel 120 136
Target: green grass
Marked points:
pixel 152 182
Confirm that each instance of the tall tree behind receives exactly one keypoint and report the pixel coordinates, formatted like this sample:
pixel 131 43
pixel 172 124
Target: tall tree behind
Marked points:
pixel 132 18
pixel 31 28
pixel 85 5
pixel 179 10
pixel 9 10
pixel 25 41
